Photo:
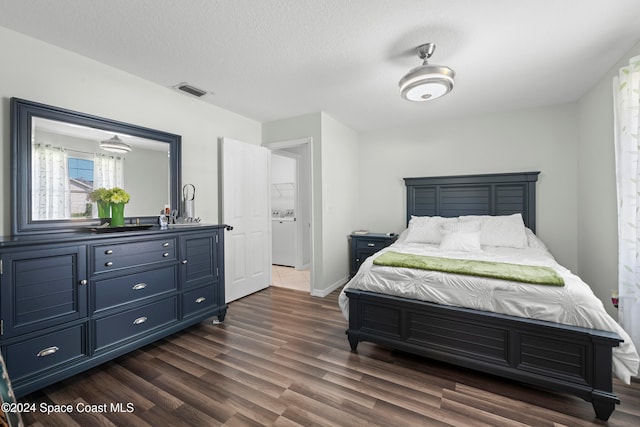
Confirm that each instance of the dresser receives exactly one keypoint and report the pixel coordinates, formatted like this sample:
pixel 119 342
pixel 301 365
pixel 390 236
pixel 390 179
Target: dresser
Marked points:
pixel 71 301
pixel 362 246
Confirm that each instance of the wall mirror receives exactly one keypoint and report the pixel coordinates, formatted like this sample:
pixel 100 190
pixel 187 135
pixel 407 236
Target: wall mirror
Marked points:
pixel 58 157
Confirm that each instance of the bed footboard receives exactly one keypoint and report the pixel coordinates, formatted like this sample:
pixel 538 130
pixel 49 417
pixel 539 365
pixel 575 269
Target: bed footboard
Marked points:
pixel 558 357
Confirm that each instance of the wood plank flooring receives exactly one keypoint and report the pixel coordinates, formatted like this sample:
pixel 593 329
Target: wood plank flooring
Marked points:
pixel 281 358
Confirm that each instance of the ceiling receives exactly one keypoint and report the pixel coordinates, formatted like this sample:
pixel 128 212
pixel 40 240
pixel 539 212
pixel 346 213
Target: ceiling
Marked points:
pixel 274 59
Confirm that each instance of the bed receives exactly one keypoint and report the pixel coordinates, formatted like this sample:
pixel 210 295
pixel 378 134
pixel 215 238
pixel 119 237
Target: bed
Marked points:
pixel 570 358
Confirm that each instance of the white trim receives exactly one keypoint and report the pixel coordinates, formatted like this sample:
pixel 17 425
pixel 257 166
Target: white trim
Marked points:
pixel 335 285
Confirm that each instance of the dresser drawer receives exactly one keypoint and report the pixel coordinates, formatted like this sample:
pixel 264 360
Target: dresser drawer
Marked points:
pixel 130 254
pixel 197 300
pixel 46 352
pixel 118 327
pixel 132 287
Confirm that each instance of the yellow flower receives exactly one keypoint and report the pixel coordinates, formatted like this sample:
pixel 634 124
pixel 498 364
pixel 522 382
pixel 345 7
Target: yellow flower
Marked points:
pixel 117 195
pixel 98 195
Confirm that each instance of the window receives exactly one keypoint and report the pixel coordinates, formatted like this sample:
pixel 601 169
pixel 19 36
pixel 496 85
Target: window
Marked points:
pixel 80 185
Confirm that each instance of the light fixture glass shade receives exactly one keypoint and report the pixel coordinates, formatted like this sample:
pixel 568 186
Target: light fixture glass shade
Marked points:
pixel 426 82
pixel 115 144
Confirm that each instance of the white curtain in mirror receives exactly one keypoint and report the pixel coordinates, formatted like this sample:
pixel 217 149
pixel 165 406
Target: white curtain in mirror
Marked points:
pixel 626 95
pixel 108 171
pixel 50 180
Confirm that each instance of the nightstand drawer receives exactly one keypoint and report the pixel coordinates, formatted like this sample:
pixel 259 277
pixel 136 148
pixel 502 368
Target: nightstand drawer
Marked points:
pixel 371 244
pixel 45 352
pixel 119 327
pixel 131 254
pixel 362 246
pixel 132 287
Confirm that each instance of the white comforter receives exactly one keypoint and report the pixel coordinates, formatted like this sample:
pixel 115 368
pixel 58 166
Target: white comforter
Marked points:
pixel 572 304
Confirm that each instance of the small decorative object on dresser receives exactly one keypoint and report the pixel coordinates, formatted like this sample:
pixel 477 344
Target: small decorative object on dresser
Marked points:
pixel 363 245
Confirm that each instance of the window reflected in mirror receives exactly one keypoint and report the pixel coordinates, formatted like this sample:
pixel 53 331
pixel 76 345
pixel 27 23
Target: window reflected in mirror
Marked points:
pixel 69 162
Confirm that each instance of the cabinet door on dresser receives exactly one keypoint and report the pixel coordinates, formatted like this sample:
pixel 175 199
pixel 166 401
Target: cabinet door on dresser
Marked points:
pixel 201 274
pixel 199 255
pixel 42 287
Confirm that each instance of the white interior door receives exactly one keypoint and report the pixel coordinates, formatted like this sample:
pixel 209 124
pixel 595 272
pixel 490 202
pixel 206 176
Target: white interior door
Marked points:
pixel 245 207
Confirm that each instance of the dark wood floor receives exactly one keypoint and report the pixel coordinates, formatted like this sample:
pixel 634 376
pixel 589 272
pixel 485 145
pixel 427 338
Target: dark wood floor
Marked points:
pixel 281 358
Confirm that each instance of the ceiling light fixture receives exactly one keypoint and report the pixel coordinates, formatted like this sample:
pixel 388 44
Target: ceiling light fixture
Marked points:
pixel 115 144
pixel 426 82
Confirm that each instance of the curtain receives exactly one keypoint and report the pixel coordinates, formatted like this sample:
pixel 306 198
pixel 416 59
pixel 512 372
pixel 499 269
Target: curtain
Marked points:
pixel 108 171
pixel 626 95
pixel 50 195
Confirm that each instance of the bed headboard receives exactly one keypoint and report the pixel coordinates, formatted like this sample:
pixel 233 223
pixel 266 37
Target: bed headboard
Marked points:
pixel 490 194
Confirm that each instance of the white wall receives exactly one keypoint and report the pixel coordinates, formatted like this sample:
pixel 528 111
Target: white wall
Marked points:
pixel 283 182
pixel 542 139
pixel 597 211
pixel 282 169
pixel 43 73
pixel 340 150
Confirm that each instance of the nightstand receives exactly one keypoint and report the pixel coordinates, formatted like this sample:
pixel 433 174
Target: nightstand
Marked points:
pixel 362 246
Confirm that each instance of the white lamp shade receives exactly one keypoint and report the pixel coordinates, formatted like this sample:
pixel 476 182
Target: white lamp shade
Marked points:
pixel 426 82
pixel 115 145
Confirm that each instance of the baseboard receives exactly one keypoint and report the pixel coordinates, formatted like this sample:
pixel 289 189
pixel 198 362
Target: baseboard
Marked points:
pixel 335 285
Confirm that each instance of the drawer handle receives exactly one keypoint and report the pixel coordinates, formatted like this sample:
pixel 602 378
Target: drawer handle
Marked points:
pixel 371 244
pixel 47 351
pixel 83 282
pixel 184 261
pixel 165 245
pixel 140 320
pixel 108 264
pixel 139 286
pixel 166 254
pixel 108 252
pixel 199 300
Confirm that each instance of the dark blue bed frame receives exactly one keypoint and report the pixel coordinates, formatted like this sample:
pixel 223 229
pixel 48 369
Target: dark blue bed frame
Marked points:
pixel 558 357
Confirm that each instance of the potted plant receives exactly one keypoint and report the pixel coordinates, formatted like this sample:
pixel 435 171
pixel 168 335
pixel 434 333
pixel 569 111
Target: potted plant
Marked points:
pixel 104 206
pixel 117 197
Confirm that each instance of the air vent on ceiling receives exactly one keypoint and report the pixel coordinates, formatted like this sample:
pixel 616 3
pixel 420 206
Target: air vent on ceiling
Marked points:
pixel 191 90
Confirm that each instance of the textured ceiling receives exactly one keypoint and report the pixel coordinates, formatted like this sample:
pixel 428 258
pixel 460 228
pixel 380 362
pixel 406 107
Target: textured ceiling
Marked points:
pixel 273 59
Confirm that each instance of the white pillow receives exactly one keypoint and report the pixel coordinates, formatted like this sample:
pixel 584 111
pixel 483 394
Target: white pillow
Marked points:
pixel 535 242
pixel 464 226
pixel 502 230
pixel 426 229
pixel 467 241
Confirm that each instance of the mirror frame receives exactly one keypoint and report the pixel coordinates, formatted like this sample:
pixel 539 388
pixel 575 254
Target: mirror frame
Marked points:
pixel 22 112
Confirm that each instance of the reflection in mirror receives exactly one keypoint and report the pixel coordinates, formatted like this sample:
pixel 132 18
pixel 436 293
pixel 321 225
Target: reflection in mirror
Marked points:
pixel 58 157
pixel 68 163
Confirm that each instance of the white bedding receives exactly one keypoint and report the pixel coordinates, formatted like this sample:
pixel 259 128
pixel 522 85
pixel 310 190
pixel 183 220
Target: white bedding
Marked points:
pixel 573 304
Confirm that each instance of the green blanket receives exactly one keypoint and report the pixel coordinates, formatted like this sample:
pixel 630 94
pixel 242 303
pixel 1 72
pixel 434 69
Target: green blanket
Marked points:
pixel 496 270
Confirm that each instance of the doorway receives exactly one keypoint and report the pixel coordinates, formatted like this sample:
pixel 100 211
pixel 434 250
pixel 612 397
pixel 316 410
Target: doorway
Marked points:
pixel 291 203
